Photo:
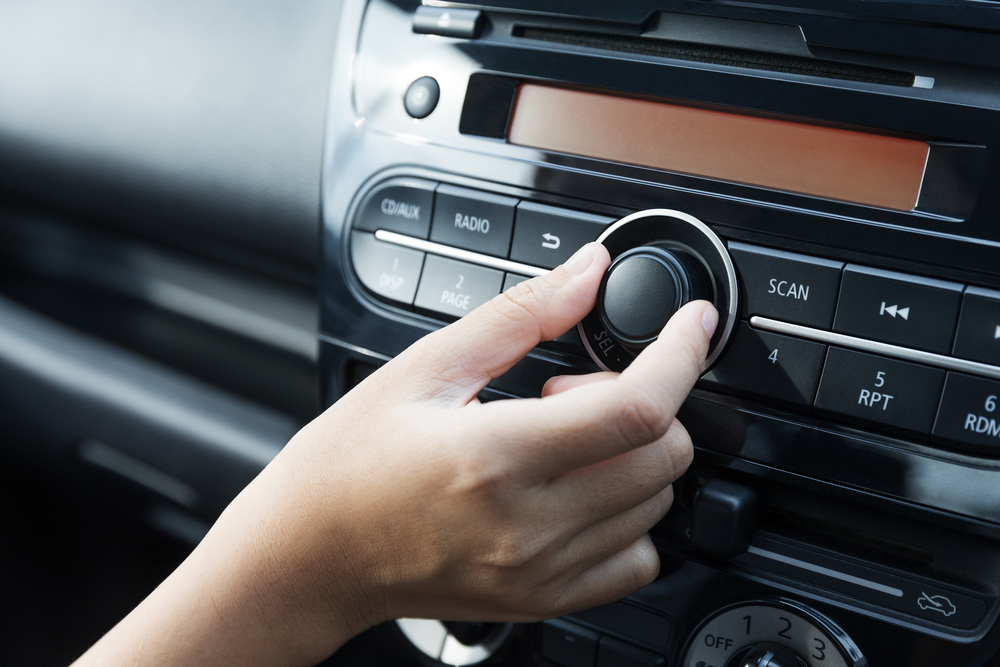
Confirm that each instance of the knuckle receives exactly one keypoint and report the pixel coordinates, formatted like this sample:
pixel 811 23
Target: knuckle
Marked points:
pixel 645 566
pixel 641 418
pixel 683 450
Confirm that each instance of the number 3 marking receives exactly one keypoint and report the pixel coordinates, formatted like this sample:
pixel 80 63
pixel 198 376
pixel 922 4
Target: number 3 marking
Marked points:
pixel 820 648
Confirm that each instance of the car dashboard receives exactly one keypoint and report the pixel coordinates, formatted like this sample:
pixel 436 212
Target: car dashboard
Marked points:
pixel 824 173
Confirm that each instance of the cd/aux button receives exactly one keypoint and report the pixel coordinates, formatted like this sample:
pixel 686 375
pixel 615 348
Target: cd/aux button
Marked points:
pixel 456 288
pixel 895 395
pixel 473 220
pixel 785 286
pixel 897 308
pixel 402 205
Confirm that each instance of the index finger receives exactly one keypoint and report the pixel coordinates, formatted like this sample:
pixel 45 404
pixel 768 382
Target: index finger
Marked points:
pixel 597 421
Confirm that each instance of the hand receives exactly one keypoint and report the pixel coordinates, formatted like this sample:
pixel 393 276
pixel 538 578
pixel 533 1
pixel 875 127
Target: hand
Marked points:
pixel 410 498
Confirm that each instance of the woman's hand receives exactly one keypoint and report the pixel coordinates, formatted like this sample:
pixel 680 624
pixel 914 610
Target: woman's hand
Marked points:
pixel 410 498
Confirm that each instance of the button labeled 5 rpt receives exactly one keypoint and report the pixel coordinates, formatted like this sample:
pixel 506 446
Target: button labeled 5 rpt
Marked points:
pixel 867 389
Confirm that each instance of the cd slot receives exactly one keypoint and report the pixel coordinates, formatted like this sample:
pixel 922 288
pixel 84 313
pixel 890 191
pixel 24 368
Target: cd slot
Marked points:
pixel 719 55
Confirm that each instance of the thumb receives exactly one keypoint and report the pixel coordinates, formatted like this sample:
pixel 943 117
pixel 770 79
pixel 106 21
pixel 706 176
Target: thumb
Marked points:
pixel 484 344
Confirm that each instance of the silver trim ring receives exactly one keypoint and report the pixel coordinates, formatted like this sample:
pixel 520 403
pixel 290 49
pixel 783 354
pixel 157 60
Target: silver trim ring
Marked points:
pixel 733 303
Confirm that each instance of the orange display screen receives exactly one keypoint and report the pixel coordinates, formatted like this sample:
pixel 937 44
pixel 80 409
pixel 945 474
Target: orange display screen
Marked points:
pixel 846 165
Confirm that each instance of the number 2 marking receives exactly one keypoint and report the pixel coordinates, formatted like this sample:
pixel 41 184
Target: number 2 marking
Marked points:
pixel 461 279
pixel 784 631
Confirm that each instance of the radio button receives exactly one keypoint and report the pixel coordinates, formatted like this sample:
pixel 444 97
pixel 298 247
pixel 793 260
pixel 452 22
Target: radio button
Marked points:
pixel 473 220
pixel 978 336
pixel 876 391
pixel 786 286
pixel 768 366
pixel 898 308
pixel 968 417
pixel 456 288
pixel 402 205
pixel 547 236
pixel 386 269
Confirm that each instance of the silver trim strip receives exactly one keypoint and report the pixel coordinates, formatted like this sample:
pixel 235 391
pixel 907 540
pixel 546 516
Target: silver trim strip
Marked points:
pixel 874 347
pixel 459 254
pixel 834 574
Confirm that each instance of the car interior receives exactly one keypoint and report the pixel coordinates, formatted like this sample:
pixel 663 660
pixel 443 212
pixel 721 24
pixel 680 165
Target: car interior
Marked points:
pixel 218 217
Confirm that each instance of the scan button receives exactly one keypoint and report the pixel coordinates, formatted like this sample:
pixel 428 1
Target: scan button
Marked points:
pixel 898 308
pixel 473 220
pixel 875 391
pixel 786 286
pixel 456 288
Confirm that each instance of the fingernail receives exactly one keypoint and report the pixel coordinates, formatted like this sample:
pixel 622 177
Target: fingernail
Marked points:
pixel 710 320
pixel 581 260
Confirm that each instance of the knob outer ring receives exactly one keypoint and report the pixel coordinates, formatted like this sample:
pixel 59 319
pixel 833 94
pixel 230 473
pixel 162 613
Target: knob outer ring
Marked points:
pixel 727 320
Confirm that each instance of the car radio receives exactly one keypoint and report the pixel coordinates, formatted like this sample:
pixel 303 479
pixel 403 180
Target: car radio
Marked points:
pixel 823 173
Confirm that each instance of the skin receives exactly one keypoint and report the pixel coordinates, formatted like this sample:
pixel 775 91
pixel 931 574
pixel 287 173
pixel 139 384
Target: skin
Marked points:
pixel 409 498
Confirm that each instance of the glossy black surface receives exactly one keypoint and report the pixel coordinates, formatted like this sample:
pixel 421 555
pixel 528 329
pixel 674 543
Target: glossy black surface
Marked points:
pixel 855 494
pixel 768 367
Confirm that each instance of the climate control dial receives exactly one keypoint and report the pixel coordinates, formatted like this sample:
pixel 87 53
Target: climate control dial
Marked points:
pixel 776 633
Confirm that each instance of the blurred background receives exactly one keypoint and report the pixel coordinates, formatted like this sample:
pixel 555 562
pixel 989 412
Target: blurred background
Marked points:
pixel 159 214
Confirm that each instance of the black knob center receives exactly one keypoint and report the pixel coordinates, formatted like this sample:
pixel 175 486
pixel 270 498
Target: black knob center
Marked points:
pixel 644 287
pixel 770 655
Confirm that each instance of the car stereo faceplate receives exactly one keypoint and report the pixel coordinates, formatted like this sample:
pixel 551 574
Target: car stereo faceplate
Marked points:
pixel 834 197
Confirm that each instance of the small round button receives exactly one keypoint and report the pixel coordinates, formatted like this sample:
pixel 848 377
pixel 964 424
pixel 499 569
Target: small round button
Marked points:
pixel 421 97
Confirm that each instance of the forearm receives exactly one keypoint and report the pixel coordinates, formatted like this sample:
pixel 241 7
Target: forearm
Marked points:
pixel 243 597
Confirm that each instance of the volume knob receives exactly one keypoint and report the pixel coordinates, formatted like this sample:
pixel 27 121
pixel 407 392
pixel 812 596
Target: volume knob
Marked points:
pixel 660 260
pixel 644 287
